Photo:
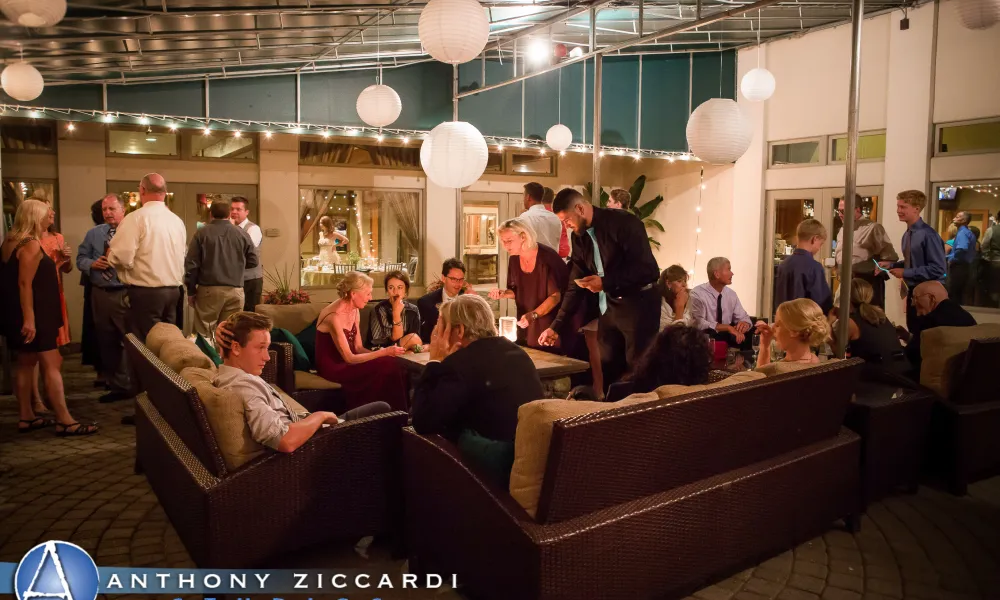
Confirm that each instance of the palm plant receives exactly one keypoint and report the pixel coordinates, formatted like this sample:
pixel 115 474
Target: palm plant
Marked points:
pixel 643 212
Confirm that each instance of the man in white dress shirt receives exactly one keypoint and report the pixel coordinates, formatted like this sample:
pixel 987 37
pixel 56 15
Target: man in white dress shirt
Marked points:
pixel 253 277
pixel 148 254
pixel 546 224
pixel 716 308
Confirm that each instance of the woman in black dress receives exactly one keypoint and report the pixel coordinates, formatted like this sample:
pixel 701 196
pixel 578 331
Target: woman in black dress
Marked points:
pixel 872 336
pixel 32 316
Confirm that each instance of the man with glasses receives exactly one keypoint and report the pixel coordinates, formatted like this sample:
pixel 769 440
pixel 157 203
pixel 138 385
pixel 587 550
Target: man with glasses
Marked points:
pixel 870 242
pixel 452 286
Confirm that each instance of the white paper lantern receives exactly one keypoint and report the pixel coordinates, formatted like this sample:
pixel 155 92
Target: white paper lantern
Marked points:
pixel 34 13
pixel 757 85
pixel 454 154
pixel 379 105
pixel 22 81
pixel 453 31
pixel 559 137
pixel 978 14
pixel 718 132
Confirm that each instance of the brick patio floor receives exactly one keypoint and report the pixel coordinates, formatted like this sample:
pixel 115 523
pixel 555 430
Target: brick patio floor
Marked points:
pixel 927 546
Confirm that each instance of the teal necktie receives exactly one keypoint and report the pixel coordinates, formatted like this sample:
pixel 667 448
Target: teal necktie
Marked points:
pixel 602 298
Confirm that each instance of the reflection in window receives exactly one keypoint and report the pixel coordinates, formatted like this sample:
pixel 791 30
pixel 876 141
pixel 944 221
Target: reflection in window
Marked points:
pixel 480 250
pixel 373 231
pixel 358 154
pixel 221 145
pixel 796 153
pixel 27 135
pixel 973 273
pixel 969 139
pixel 16 191
pixel 494 162
pixel 532 163
pixel 870 147
pixel 159 141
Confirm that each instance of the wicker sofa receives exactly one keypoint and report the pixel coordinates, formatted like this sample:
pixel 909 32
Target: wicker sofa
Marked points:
pixel 342 484
pixel 645 497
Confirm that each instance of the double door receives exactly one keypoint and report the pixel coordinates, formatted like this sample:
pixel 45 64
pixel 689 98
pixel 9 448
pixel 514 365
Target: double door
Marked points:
pixel 786 209
pixel 481 251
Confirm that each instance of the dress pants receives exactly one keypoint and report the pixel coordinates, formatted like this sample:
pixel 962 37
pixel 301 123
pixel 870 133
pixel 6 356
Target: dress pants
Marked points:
pixel 109 324
pixel 214 303
pixel 148 306
pixel 252 290
pixel 958 279
pixel 625 330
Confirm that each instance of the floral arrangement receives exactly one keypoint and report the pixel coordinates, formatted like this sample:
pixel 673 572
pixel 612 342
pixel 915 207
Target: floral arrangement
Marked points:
pixel 353 257
pixel 283 292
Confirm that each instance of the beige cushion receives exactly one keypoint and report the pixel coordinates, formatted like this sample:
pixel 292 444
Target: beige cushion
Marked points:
pixel 224 410
pixel 669 391
pixel 181 354
pixel 941 349
pixel 293 317
pixel 160 334
pixel 780 367
pixel 311 381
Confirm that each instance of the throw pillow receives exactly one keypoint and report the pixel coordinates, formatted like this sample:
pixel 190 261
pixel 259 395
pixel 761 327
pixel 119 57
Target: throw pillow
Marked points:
pixel 300 360
pixel 208 349
pixel 307 340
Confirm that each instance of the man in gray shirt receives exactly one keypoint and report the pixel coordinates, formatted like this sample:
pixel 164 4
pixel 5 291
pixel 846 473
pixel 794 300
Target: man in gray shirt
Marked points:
pixel 245 338
pixel 213 270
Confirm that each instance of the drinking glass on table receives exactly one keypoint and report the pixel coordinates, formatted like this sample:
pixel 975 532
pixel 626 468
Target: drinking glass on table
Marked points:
pixel 755 341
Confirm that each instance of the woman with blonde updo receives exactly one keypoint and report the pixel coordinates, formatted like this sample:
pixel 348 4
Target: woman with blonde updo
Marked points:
pixel 799 326
pixel 366 376
pixel 871 335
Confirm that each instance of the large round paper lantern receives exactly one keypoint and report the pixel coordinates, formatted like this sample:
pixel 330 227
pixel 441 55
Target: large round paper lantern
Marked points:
pixel 454 154
pixel 379 105
pixel 22 81
pixel 559 137
pixel 718 132
pixel 757 85
pixel 979 14
pixel 34 13
pixel 453 31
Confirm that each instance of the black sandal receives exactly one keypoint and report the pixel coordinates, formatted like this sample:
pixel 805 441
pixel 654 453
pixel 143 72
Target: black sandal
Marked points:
pixel 39 422
pixel 80 429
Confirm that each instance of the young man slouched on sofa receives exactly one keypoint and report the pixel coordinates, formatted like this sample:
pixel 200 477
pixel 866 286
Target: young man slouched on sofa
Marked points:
pixel 271 423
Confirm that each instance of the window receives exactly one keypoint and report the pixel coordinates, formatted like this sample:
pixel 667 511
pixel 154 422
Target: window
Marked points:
pixel 358 153
pixel 797 152
pixel 494 162
pixel 372 230
pixel 969 138
pixel 219 145
pixel 146 141
pixel 16 191
pixel 871 146
pixel 973 273
pixel 27 135
pixel 533 163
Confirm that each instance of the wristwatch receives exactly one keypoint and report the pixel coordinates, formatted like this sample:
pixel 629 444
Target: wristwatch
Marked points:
pixel 534 316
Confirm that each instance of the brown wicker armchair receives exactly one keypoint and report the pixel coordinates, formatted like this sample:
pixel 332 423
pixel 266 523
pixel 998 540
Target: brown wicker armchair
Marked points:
pixel 647 500
pixel 342 484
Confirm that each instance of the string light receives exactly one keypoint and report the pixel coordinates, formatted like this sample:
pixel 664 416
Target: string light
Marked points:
pixel 207 131
pixel 238 133
pixel 34 114
pixel 172 126
pixel 267 134
pixel 697 229
pixel 143 120
pixel 379 138
pixel 406 140
pixel 70 127
pixel 325 133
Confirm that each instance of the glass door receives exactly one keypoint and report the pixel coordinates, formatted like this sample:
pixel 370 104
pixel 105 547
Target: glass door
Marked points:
pixel 871 207
pixel 785 210
pixel 484 258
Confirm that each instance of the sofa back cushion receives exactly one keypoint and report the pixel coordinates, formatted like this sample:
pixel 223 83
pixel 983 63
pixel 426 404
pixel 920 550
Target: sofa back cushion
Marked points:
pixel 160 334
pixel 293 317
pixel 647 446
pixel 224 410
pixel 943 352
pixel 181 354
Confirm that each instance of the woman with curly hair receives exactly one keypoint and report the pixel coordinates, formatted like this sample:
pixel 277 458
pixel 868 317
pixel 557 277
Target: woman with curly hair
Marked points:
pixel 799 326
pixel 680 355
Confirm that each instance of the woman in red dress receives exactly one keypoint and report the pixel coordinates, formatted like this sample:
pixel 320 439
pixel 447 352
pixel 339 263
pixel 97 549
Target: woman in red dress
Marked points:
pixel 366 376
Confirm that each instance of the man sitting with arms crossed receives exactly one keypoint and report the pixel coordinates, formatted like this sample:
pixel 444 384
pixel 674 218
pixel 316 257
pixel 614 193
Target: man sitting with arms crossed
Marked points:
pixel 244 338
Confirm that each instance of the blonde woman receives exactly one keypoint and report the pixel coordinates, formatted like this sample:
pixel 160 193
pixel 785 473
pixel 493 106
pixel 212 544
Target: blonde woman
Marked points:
pixel 365 375
pixel 32 317
pixel 799 326
pixel 872 335
pixel 536 279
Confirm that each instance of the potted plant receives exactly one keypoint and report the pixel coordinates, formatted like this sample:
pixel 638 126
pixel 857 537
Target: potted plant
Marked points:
pixel 283 293
pixel 644 212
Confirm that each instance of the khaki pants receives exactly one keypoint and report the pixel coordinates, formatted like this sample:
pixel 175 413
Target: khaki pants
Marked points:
pixel 214 303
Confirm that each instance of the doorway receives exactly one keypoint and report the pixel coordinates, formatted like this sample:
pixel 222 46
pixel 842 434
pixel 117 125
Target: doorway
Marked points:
pixel 485 260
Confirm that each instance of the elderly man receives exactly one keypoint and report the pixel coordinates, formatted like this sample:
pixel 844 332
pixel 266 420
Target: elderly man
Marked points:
pixel 253 277
pixel 870 242
pixel 933 309
pixel 963 253
pixel 268 417
pixel 148 255
pixel 716 308
pixel 107 298
pixel 545 224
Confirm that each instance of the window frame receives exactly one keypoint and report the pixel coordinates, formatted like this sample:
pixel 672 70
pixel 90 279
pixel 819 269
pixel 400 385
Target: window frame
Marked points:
pixel 938 127
pixel 421 211
pixel 831 160
pixel 186 154
pixel 47 123
pixel 362 142
pixel 822 140
pixel 133 127
pixel 508 162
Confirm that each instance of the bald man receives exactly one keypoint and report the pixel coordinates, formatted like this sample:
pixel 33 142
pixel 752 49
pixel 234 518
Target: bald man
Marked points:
pixel 934 309
pixel 148 253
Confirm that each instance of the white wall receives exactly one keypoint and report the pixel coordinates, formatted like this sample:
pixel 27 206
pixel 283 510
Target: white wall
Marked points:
pixel 967 84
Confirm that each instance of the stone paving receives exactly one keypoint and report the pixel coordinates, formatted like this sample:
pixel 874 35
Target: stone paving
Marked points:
pixel 927 546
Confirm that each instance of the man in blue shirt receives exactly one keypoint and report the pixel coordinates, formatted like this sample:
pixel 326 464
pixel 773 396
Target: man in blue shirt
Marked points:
pixel 107 298
pixel 960 261
pixel 800 275
pixel 923 250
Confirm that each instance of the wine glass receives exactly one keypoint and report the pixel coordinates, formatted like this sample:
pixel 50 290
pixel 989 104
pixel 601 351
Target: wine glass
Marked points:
pixel 755 341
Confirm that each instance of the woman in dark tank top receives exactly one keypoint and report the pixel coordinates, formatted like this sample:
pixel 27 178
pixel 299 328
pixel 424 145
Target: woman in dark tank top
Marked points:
pixel 872 335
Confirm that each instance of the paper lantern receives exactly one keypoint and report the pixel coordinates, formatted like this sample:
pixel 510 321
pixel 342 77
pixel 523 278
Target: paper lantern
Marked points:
pixel 34 13
pixel 22 81
pixel 559 137
pixel 454 154
pixel 757 85
pixel 453 31
pixel 718 132
pixel 979 14
pixel 379 105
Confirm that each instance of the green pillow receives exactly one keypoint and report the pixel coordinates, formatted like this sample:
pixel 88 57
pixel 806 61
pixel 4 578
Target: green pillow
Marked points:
pixel 300 360
pixel 494 457
pixel 307 339
pixel 208 349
